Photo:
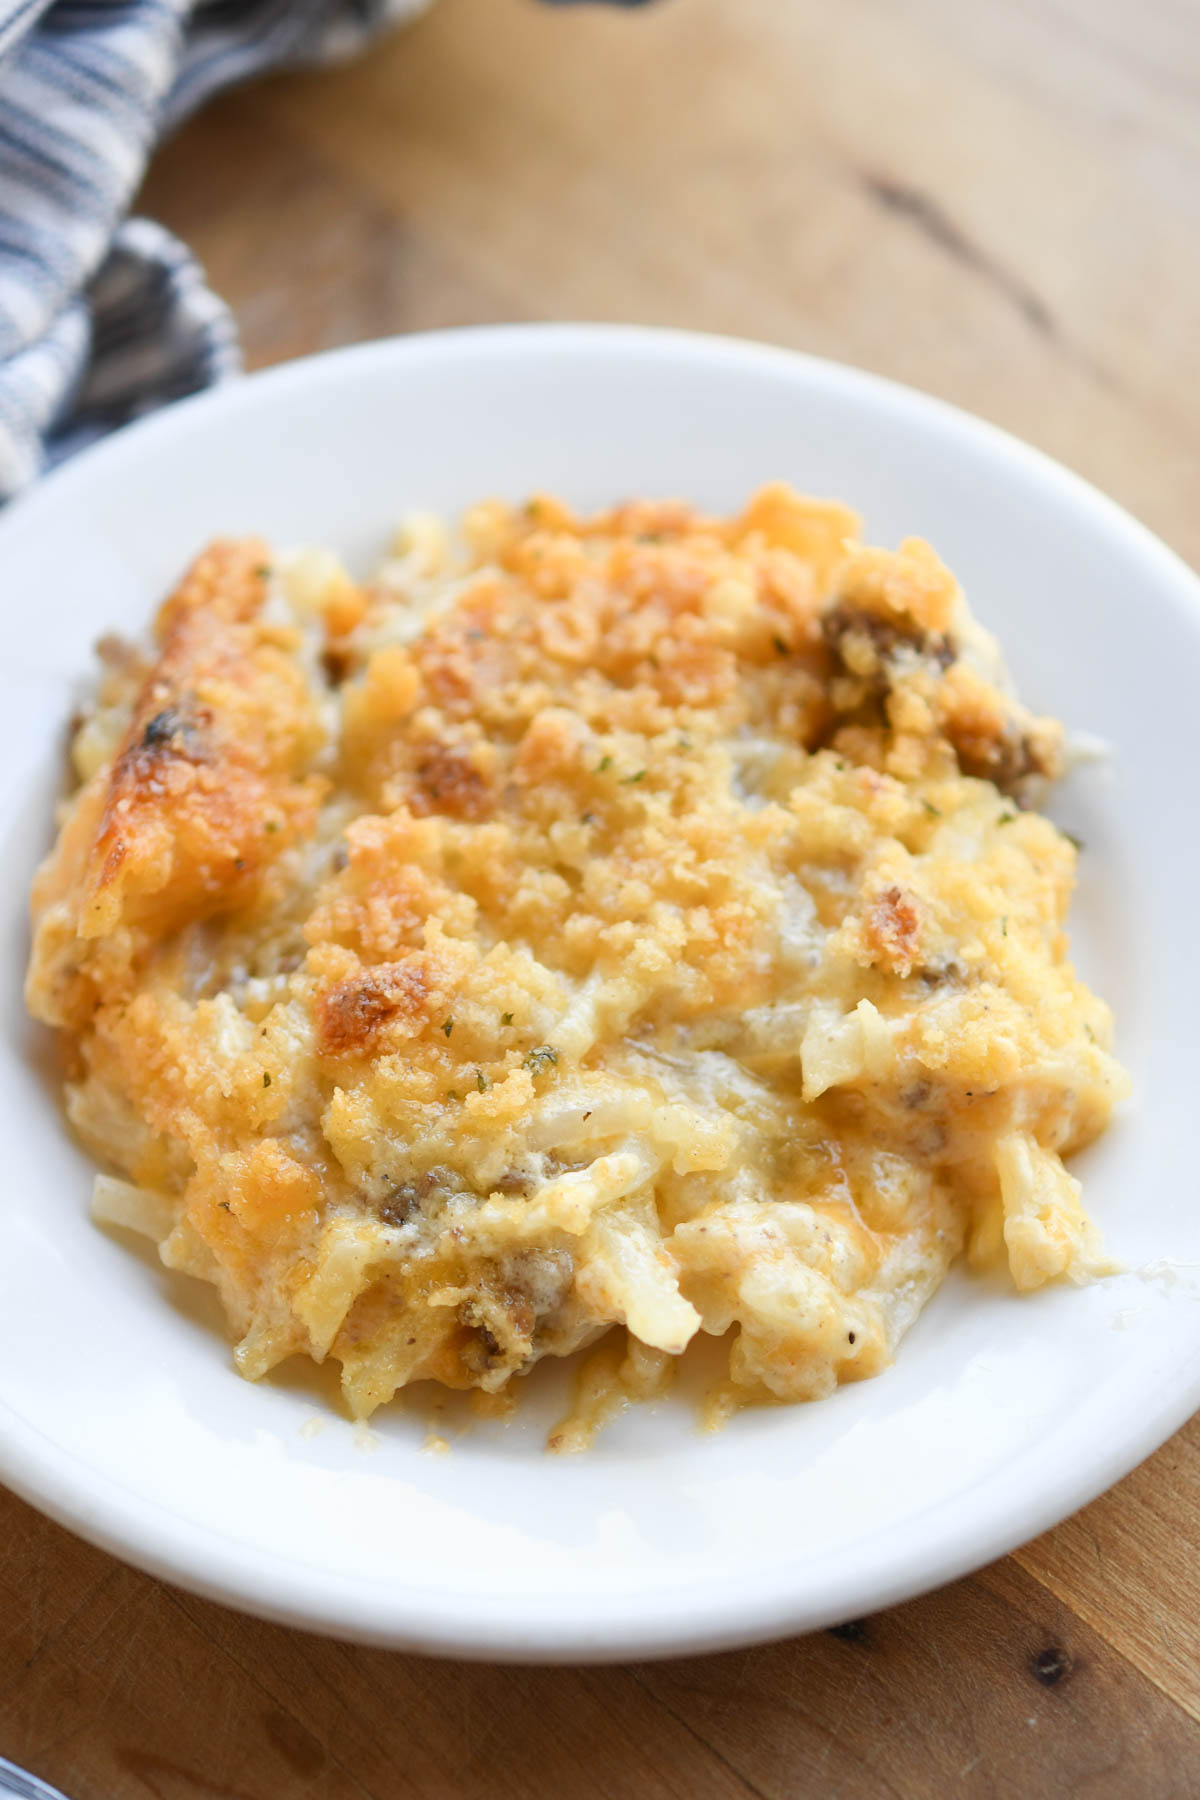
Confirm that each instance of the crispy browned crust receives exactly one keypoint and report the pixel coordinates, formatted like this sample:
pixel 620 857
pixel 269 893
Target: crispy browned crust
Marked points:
pixel 891 930
pixel 352 1013
pixel 448 781
pixel 209 786
pixel 387 1053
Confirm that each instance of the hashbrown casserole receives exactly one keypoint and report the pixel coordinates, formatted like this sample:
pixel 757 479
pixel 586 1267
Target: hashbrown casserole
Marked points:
pixel 634 921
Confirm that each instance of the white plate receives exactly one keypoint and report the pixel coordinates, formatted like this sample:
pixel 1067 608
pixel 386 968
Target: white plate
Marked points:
pixel 119 1411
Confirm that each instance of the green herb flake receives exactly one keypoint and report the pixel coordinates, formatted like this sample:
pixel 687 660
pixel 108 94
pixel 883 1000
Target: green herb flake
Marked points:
pixel 263 571
pixel 506 1018
pixel 1004 925
pixel 603 765
pixel 481 1081
pixel 935 812
pixel 1006 818
pixel 627 780
pixel 272 825
pixel 539 1060
pixel 448 1027
pixel 1072 839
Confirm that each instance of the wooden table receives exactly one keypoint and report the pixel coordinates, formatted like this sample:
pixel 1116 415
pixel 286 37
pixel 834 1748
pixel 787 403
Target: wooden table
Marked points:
pixel 1000 203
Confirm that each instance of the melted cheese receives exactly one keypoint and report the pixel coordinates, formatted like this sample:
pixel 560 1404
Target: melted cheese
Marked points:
pixel 627 922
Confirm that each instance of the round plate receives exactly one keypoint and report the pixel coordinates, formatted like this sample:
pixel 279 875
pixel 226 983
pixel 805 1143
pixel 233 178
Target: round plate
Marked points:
pixel 120 1413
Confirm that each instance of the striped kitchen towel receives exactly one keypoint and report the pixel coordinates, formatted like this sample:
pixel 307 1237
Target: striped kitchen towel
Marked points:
pixel 102 317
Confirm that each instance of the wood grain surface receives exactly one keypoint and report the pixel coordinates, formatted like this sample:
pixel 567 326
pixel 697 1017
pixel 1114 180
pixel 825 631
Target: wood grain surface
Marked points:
pixel 998 202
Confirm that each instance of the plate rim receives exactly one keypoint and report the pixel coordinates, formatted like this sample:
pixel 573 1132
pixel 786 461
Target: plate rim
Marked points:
pixel 151 1536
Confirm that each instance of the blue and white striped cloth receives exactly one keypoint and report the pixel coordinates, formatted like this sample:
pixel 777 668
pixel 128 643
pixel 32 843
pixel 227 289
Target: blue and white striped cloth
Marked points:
pixel 103 317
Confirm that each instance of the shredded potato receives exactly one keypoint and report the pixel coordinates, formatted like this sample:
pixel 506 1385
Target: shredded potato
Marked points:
pixel 633 922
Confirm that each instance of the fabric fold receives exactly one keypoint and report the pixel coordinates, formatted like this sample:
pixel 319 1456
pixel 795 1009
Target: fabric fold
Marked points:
pixel 103 318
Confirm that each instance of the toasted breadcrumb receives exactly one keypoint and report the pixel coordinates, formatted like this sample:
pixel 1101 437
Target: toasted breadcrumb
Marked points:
pixel 636 921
